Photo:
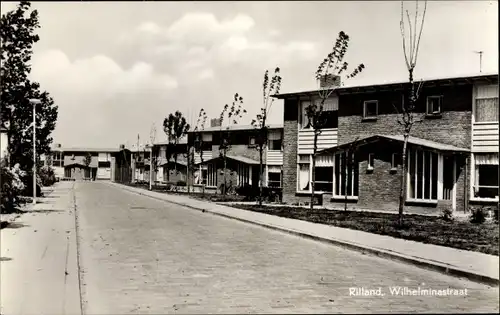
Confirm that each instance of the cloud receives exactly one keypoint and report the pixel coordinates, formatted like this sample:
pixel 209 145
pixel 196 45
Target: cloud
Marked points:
pixel 206 74
pixel 202 27
pixel 95 93
pixel 98 73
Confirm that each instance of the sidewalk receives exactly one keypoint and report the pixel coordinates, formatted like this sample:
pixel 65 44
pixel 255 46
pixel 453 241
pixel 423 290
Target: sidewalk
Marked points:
pixel 472 265
pixel 39 273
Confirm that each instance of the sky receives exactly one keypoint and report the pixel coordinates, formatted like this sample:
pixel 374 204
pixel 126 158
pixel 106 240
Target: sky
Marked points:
pixel 117 69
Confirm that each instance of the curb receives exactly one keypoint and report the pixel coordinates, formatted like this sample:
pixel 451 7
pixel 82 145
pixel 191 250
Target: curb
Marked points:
pixel 416 261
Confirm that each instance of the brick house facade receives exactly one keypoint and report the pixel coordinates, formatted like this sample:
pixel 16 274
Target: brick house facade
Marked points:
pixel 443 139
pixel 243 157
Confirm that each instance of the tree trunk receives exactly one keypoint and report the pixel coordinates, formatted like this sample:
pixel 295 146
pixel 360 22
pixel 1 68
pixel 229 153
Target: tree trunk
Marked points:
pixel 261 148
pixel 402 196
pixel 346 180
pixel 313 175
pixel 224 187
pixel 408 124
pixel 187 171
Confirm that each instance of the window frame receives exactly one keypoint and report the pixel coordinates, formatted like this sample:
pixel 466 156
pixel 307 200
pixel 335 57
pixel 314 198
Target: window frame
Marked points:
pixel 475 110
pixel 274 181
pixel 412 178
pixel 309 164
pixel 354 178
pixel 370 166
pixel 365 103
pixel 394 164
pixel 434 113
pixel 475 179
pixel 280 146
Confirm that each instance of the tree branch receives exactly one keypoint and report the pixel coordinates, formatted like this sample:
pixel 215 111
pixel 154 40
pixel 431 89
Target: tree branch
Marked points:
pixel 420 34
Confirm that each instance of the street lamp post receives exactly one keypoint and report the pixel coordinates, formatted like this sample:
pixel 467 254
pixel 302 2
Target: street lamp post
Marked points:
pixel 35 102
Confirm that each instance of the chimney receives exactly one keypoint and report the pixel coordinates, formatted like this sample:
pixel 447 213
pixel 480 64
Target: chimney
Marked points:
pixel 214 122
pixel 329 81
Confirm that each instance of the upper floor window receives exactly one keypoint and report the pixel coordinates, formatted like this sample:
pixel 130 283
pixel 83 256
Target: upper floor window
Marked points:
pixel 274 144
pixel 328 118
pixel 370 109
pixel 434 105
pixel 486 109
pixel 251 141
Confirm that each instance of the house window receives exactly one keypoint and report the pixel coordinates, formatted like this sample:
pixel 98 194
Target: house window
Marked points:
pixel 328 118
pixel 204 176
pixel 371 161
pixel 346 175
pixel 274 179
pixel 486 109
pixel 486 176
pixel 304 173
pixel 370 109
pixel 243 174
pixel 212 176
pixel 251 141
pixel 434 105
pixel 394 161
pixel 275 145
pixel 323 179
pixel 423 175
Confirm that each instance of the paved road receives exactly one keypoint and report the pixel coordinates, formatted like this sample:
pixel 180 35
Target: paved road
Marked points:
pixel 141 255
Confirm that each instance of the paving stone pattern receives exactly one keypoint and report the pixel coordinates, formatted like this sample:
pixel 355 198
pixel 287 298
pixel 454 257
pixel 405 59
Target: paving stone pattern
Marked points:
pixel 142 255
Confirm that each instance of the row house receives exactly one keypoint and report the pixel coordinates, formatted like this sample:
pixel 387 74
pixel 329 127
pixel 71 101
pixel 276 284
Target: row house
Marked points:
pixel 173 170
pixel 69 163
pixel 242 159
pixel 452 150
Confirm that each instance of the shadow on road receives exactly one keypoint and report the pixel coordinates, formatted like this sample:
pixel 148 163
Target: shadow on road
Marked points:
pixel 13 225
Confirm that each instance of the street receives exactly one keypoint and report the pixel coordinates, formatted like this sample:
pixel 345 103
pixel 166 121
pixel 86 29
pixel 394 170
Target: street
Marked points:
pixel 141 255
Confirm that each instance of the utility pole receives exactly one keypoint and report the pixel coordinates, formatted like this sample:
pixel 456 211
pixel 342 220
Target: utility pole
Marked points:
pixel 152 136
pixel 480 60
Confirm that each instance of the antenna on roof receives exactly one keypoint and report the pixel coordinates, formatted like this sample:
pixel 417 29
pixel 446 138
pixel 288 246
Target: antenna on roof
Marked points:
pixel 480 60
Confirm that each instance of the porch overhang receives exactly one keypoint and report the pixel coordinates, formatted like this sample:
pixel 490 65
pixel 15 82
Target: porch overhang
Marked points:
pixel 412 141
pixel 237 158
pixel 73 164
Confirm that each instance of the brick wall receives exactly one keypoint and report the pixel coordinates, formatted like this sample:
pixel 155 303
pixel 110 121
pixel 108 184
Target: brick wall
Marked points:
pixel 379 188
pixel 290 139
pixel 454 126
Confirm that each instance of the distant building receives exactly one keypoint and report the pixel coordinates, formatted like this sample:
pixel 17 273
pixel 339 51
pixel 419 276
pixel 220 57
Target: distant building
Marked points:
pixel 70 163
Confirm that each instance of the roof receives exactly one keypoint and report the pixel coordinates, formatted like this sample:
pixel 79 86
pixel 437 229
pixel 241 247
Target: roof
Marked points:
pixel 74 163
pixel 240 127
pixel 105 150
pixel 238 158
pixel 180 162
pixel 387 84
pixel 411 140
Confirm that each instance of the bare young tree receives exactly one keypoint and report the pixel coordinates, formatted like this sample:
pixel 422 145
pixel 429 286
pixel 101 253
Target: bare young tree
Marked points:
pixel 231 115
pixel 332 65
pixel 268 88
pixel 87 159
pixel 198 141
pixel 175 127
pixel 406 118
